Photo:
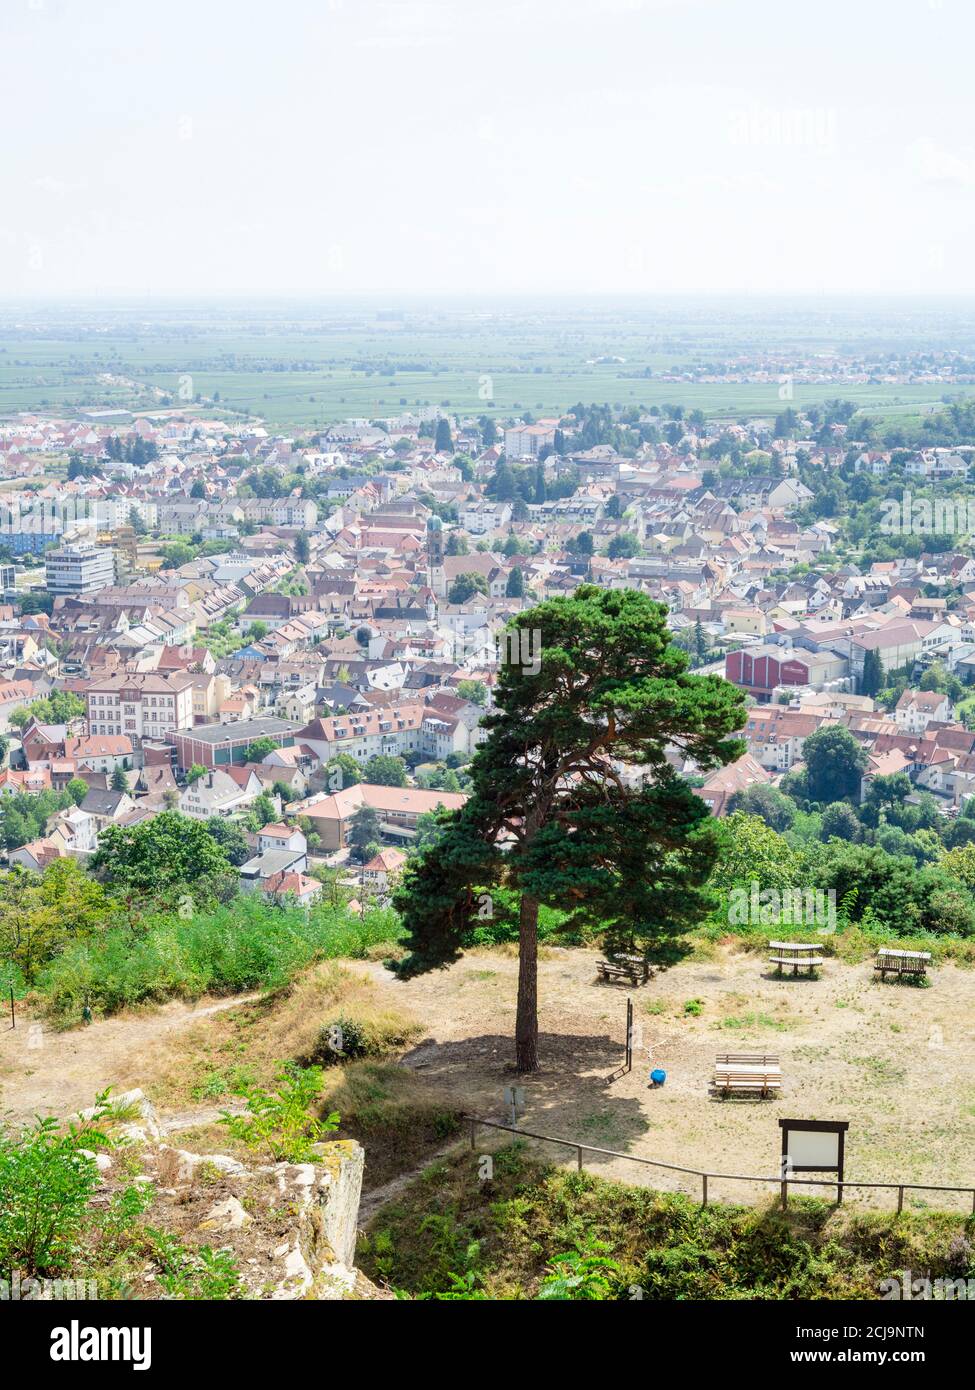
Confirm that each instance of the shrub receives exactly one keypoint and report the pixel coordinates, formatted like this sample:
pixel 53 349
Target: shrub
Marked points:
pixel 368 1033
pixel 46 1182
pixel 201 1274
pixel 280 1121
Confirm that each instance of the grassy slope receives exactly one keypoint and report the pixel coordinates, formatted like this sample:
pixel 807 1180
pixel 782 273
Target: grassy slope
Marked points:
pixel 505 1231
pixel 397 1118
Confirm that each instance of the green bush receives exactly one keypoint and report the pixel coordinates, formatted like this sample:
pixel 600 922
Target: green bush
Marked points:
pixel 247 944
pixel 280 1122
pixel 47 1177
pixel 46 1185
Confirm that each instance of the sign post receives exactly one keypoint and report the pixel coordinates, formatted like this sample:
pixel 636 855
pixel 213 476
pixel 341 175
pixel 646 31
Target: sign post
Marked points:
pixel 514 1096
pixel 813 1146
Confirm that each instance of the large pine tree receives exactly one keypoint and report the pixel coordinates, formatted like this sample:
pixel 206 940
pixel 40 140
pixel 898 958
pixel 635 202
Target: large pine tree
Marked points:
pixel 551 816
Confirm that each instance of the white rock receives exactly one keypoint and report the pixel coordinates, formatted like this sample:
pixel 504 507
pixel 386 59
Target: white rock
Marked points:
pixel 179 1166
pixel 226 1216
pixel 102 1160
pixel 147 1125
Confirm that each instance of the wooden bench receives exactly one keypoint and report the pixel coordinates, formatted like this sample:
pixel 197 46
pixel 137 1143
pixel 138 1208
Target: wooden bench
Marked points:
pixel 633 968
pixel 799 954
pixel 911 963
pixel 756 1073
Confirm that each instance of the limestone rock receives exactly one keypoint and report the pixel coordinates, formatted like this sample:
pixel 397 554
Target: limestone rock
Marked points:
pixel 103 1161
pixel 319 1260
pixel 226 1216
pixel 178 1166
pixel 136 1131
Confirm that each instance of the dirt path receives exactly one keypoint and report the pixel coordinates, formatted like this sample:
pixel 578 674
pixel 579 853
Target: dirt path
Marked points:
pixel 44 1072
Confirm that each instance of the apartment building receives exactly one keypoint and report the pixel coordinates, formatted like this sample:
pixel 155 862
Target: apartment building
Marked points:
pixel 79 569
pixel 482 518
pixel 776 736
pixel 396 729
pixel 527 441
pixel 141 705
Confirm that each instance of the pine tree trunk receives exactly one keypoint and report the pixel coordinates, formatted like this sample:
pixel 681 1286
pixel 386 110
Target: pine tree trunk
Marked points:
pixel 526 1025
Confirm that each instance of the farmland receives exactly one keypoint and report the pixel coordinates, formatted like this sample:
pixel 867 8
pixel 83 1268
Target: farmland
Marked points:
pixel 303 366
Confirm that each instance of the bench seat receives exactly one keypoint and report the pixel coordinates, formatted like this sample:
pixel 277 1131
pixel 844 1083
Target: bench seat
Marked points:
pixel 756 1073
pixel 636 971
pixel 902 962
pixel 762 1085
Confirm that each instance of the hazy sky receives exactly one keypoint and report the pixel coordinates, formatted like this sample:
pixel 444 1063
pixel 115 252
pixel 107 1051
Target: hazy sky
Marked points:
pixel 547 145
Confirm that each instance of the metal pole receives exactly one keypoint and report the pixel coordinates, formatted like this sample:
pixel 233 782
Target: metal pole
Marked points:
pixel 900 1200
pixel 579 1157
pixel 704 1189
pixel 13 1016
pixel 785 1194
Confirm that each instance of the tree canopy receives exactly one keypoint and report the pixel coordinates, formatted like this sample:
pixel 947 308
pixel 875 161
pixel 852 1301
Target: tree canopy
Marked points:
pixel 835 764
pixel 157 854
pixel 552 818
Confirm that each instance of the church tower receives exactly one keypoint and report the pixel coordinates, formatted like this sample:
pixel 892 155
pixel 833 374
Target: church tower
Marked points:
pixel 436 578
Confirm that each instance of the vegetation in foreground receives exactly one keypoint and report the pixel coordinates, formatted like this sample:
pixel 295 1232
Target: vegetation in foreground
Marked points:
pixel 54 1227
pixel 533 1231
pixel 106 1228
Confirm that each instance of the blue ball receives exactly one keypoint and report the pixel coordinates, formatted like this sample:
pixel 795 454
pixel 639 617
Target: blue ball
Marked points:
pixel 658 1077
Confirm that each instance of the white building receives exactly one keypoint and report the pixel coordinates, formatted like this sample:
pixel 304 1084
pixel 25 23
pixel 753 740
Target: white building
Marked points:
pixel 916 709
pixel 481 518
pixel 141 705
pixel 216 793
pixel 527 441
pixel 79 569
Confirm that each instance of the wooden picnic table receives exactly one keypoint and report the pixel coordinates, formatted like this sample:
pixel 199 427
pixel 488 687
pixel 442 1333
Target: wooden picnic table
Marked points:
pixel 799 954
pixel 902 962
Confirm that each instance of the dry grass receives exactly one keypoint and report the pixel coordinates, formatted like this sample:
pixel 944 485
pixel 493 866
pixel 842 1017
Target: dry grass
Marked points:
pixel 397 1118
pixel 246 1046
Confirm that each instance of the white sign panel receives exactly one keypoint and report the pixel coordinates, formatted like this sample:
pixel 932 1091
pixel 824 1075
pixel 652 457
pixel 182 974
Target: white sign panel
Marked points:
pixel 810 1148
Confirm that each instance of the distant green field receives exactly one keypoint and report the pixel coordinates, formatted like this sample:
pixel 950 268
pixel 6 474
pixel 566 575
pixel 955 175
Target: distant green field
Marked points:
pixel 309 399
pixel 307 372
